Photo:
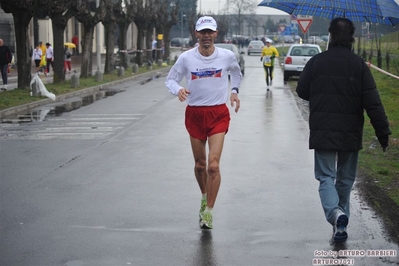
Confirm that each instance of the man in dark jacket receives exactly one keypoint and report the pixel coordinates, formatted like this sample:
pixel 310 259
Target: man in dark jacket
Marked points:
pixel 339 87
pixel 5 63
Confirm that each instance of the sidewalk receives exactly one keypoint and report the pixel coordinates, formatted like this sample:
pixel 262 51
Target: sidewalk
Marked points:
pixel 76 65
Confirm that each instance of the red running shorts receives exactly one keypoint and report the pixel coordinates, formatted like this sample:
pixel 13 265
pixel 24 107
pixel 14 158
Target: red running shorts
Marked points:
pixel 205 121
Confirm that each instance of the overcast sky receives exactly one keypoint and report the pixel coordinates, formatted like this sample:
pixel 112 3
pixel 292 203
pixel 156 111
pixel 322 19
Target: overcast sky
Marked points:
pixel 217 5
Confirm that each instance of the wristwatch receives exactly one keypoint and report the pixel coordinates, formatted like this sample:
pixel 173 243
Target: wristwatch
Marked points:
pixel 235 89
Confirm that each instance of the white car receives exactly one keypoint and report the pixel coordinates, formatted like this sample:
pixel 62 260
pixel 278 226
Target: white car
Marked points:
pixel 237 53
pixel 255 47
pixel 297 57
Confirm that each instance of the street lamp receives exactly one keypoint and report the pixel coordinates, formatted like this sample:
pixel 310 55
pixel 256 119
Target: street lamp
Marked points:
pixel 181 18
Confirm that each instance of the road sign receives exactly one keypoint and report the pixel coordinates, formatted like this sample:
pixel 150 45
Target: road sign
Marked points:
pixel 304 24
pixel 281 28
pixel 287 31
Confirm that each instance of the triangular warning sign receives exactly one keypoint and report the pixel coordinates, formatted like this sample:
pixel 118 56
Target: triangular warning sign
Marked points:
pixel 304 24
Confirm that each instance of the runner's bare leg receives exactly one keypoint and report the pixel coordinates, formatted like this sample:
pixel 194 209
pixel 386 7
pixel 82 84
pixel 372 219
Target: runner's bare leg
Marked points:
pixel 208 177
pixel 199 153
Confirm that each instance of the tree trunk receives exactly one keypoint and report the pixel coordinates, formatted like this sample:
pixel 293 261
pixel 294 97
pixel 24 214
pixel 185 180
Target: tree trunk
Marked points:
pixel 148 44
pixel 140 42
pixel 58 47
pixel 87 46
pixel 166 41
pixel 109 39
pixel 21 22
pixel 159 30
pixel 123 27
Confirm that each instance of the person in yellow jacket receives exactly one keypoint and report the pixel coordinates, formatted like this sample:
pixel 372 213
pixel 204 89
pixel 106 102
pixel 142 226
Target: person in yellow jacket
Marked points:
pixel 269 53
pixel 43 60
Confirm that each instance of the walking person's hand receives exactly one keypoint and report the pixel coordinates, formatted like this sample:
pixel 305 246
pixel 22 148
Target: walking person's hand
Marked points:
pixel 234 99
pixel 183 93
pixel 384 142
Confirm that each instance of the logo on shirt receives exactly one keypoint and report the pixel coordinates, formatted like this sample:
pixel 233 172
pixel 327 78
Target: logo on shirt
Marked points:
pixel 206 74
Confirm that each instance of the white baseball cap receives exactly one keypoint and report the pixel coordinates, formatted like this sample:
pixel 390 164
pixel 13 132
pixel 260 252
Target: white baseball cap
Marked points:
pixel 206 23
pixel 268 40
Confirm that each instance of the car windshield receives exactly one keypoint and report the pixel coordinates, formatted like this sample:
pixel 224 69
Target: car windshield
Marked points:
pixel 304 51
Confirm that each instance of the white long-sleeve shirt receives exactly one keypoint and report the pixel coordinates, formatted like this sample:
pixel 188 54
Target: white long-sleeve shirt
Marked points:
pixel 37 54
pixel 49 52
pixel 207 76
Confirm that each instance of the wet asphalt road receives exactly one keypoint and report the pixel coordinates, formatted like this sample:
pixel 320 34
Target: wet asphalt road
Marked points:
pixel 112 183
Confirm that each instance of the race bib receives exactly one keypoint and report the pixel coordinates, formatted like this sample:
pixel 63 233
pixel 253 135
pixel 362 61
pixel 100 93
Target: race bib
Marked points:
pixel 266 60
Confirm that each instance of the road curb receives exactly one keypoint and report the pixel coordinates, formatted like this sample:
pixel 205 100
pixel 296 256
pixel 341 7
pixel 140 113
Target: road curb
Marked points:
pixel 90 90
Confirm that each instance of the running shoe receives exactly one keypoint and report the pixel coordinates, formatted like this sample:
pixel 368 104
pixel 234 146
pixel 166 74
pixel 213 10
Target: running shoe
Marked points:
pixel 206 221
pixel 339 228
pixel 202 209
pixel 268 89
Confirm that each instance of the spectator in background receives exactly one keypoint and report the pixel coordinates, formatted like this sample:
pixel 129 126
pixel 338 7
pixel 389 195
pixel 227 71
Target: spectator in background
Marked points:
pixel 37 57
pixel 67 60
pixel 43 62
pixel 5 62
pixel 154 49
pixel 75 41
pixel 49 58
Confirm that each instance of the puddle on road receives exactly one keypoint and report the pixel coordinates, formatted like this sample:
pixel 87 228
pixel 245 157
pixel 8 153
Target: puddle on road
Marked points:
pixel 41 113
pixel 151 78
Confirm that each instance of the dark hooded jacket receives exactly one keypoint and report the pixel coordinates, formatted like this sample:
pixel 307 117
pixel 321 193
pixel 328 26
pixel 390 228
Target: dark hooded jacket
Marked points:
pixel 5 55
pixel 339 86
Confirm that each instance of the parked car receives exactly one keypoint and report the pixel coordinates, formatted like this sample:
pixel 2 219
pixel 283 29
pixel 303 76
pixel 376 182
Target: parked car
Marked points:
pixel 324 38
pixel 237 53
pixel 255 47
pixel 315 40
pixel 177 42
pixel 288 39
pixel 297 57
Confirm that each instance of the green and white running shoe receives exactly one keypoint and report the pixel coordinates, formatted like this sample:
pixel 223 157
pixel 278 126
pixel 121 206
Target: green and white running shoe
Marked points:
pixel 206 221
pixel 202 209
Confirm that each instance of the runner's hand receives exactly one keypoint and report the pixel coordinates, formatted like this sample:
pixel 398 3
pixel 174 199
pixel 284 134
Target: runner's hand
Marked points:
pixel 183 94
pixel 234 98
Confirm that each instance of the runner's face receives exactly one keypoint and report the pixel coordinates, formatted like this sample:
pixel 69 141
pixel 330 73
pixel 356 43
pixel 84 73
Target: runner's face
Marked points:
pixel 206 37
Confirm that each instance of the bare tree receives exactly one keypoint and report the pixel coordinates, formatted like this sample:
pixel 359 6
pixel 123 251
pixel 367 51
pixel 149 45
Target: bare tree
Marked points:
pixel 89 16
pixel 190 7
pixel 141 22
pixel 22 12
pixel 167 20
pixel 113 8
pixel 152 7
pixel 239 7
pixel 60 12
pixel 125 17
pixel 223 27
